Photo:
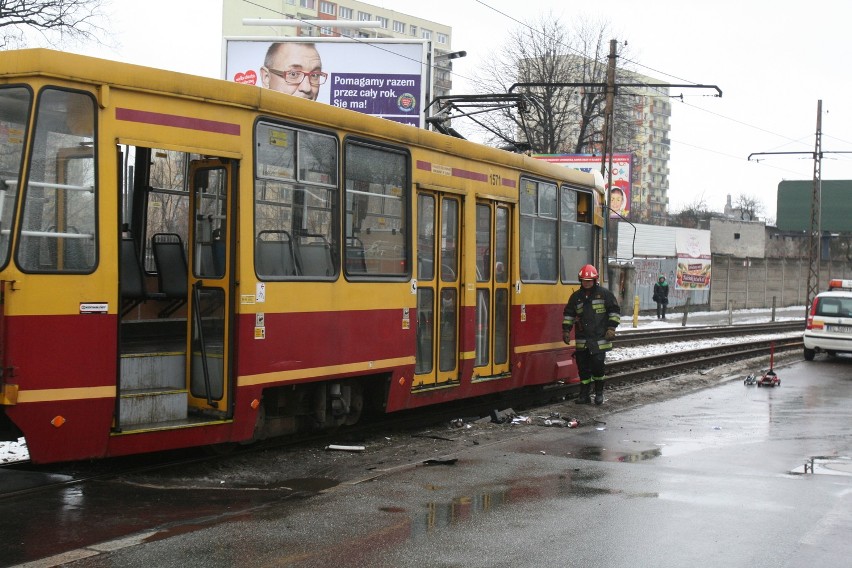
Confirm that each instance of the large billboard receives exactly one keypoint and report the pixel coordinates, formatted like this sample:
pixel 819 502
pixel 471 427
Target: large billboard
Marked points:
pixel 693 259
pixel 794 205
pixel 622 187
pixel 386 78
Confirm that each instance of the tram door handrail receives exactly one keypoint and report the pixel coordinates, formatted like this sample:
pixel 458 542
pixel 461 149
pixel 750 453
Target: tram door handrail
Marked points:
pixel 202 345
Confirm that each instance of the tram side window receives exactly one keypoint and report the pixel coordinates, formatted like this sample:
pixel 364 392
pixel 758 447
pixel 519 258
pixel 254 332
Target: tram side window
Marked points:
pixel 377 211
pixel 14 110
pixel 58 229
pixel 575 234
pixel 538 231
pixel 295 204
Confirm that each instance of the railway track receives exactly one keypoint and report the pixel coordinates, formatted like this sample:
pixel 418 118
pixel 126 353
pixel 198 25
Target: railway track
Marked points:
pixel 621 374
pixel 643 337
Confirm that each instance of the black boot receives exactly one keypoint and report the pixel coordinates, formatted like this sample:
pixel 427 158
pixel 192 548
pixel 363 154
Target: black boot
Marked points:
pixel 599 386
pixel 583 397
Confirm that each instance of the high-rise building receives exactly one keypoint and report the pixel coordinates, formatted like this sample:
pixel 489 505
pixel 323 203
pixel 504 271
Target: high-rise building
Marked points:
pixel 391 24
pixel 649 142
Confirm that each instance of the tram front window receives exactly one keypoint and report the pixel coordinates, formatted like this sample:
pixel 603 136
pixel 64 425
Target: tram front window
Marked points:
pixel 58 230
pixel 14 110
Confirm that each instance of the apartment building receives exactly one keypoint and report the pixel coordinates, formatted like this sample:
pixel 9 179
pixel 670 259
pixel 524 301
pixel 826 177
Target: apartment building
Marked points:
pixel 649 142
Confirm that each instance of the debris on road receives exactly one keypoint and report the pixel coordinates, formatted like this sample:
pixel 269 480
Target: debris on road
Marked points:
pixel 450 461
pixel 340 448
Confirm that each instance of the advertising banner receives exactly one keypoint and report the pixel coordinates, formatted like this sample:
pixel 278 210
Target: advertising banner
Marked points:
pixel 385 78
pixel 693 259
pixel 619 197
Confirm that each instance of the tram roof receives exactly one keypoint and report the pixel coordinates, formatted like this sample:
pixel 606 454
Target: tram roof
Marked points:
pixel 42 62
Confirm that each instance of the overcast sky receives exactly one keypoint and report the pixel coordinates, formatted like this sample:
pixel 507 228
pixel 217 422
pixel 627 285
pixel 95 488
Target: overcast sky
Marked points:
pixel 772 59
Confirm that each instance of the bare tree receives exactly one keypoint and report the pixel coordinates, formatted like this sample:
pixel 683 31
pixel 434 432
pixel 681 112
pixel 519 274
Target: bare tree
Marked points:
pixel 692 215
pixel 560 119
pixel 55 22
pixel 749 207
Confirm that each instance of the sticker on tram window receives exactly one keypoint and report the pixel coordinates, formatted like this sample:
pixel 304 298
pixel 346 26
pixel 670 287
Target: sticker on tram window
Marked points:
pixel 94 307
pixel 278 138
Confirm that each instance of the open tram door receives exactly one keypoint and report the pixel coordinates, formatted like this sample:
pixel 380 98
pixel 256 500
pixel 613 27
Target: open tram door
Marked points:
pixel 210 313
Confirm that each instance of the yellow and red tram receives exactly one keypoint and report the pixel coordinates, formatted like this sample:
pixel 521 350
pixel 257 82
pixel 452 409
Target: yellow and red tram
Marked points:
pixel 186 261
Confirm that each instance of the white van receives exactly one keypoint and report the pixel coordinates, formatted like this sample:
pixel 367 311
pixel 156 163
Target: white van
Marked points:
pixel 829 326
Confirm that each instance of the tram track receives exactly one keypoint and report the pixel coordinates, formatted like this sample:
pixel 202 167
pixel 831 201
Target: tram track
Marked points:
pixel 632 338
pixel 624 373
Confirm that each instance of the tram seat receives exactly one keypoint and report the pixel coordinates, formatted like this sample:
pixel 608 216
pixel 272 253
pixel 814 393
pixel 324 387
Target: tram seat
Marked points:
pixel 211 258
pixel 275 256
pixel 314 258
pixel 133 290
pixel 170 259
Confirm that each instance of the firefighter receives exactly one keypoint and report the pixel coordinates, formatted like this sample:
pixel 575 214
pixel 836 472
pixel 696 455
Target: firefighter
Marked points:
pixel 594 313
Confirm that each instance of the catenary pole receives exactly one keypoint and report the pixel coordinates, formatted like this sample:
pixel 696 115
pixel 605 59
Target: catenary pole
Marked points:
pixel 814 236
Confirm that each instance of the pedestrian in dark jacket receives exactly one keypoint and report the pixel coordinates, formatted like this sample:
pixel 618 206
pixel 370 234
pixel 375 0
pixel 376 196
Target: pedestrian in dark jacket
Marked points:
pixel 594 314
pixel 661 296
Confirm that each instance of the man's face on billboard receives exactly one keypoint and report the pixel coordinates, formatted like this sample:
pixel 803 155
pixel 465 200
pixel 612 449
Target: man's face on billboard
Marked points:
pixel 294 70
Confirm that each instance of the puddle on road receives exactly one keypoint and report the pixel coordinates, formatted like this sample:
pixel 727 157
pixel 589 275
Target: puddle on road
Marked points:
pixel 825 465
pixel 602 454
pixel 574 483
pixel 593 453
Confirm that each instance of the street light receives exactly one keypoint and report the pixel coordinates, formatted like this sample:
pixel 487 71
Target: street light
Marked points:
pixel 451 55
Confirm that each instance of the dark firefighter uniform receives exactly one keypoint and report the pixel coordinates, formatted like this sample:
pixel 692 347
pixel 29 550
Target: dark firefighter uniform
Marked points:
pixel 594 314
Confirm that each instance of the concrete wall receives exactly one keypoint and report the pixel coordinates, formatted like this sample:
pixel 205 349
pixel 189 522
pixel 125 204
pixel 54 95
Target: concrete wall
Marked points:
pixel 754 282
pixel 747 282
pixel 737 238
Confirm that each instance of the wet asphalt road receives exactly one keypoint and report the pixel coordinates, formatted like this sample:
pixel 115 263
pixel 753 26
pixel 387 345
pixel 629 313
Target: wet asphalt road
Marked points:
pixel 713 478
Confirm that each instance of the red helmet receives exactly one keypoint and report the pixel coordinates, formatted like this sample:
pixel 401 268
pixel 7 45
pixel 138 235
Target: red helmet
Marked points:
pixel 588 272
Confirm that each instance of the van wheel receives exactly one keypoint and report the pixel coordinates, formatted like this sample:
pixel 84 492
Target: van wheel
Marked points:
pixel 809 354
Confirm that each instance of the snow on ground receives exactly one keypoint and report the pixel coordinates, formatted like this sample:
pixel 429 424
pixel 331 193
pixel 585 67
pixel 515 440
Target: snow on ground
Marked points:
pixel 13 451
pixel 17 451
pixel 696 319
pixel 621 353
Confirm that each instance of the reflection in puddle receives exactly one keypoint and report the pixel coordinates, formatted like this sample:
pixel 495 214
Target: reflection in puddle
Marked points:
pixel 459 509
pixel 825 465
pixel 597 453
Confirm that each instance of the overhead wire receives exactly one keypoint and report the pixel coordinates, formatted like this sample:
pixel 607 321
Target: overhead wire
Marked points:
pixel 570 48
pixel 659 72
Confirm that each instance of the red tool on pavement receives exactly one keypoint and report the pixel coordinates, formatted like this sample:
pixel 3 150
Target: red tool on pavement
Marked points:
pixel 770 378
